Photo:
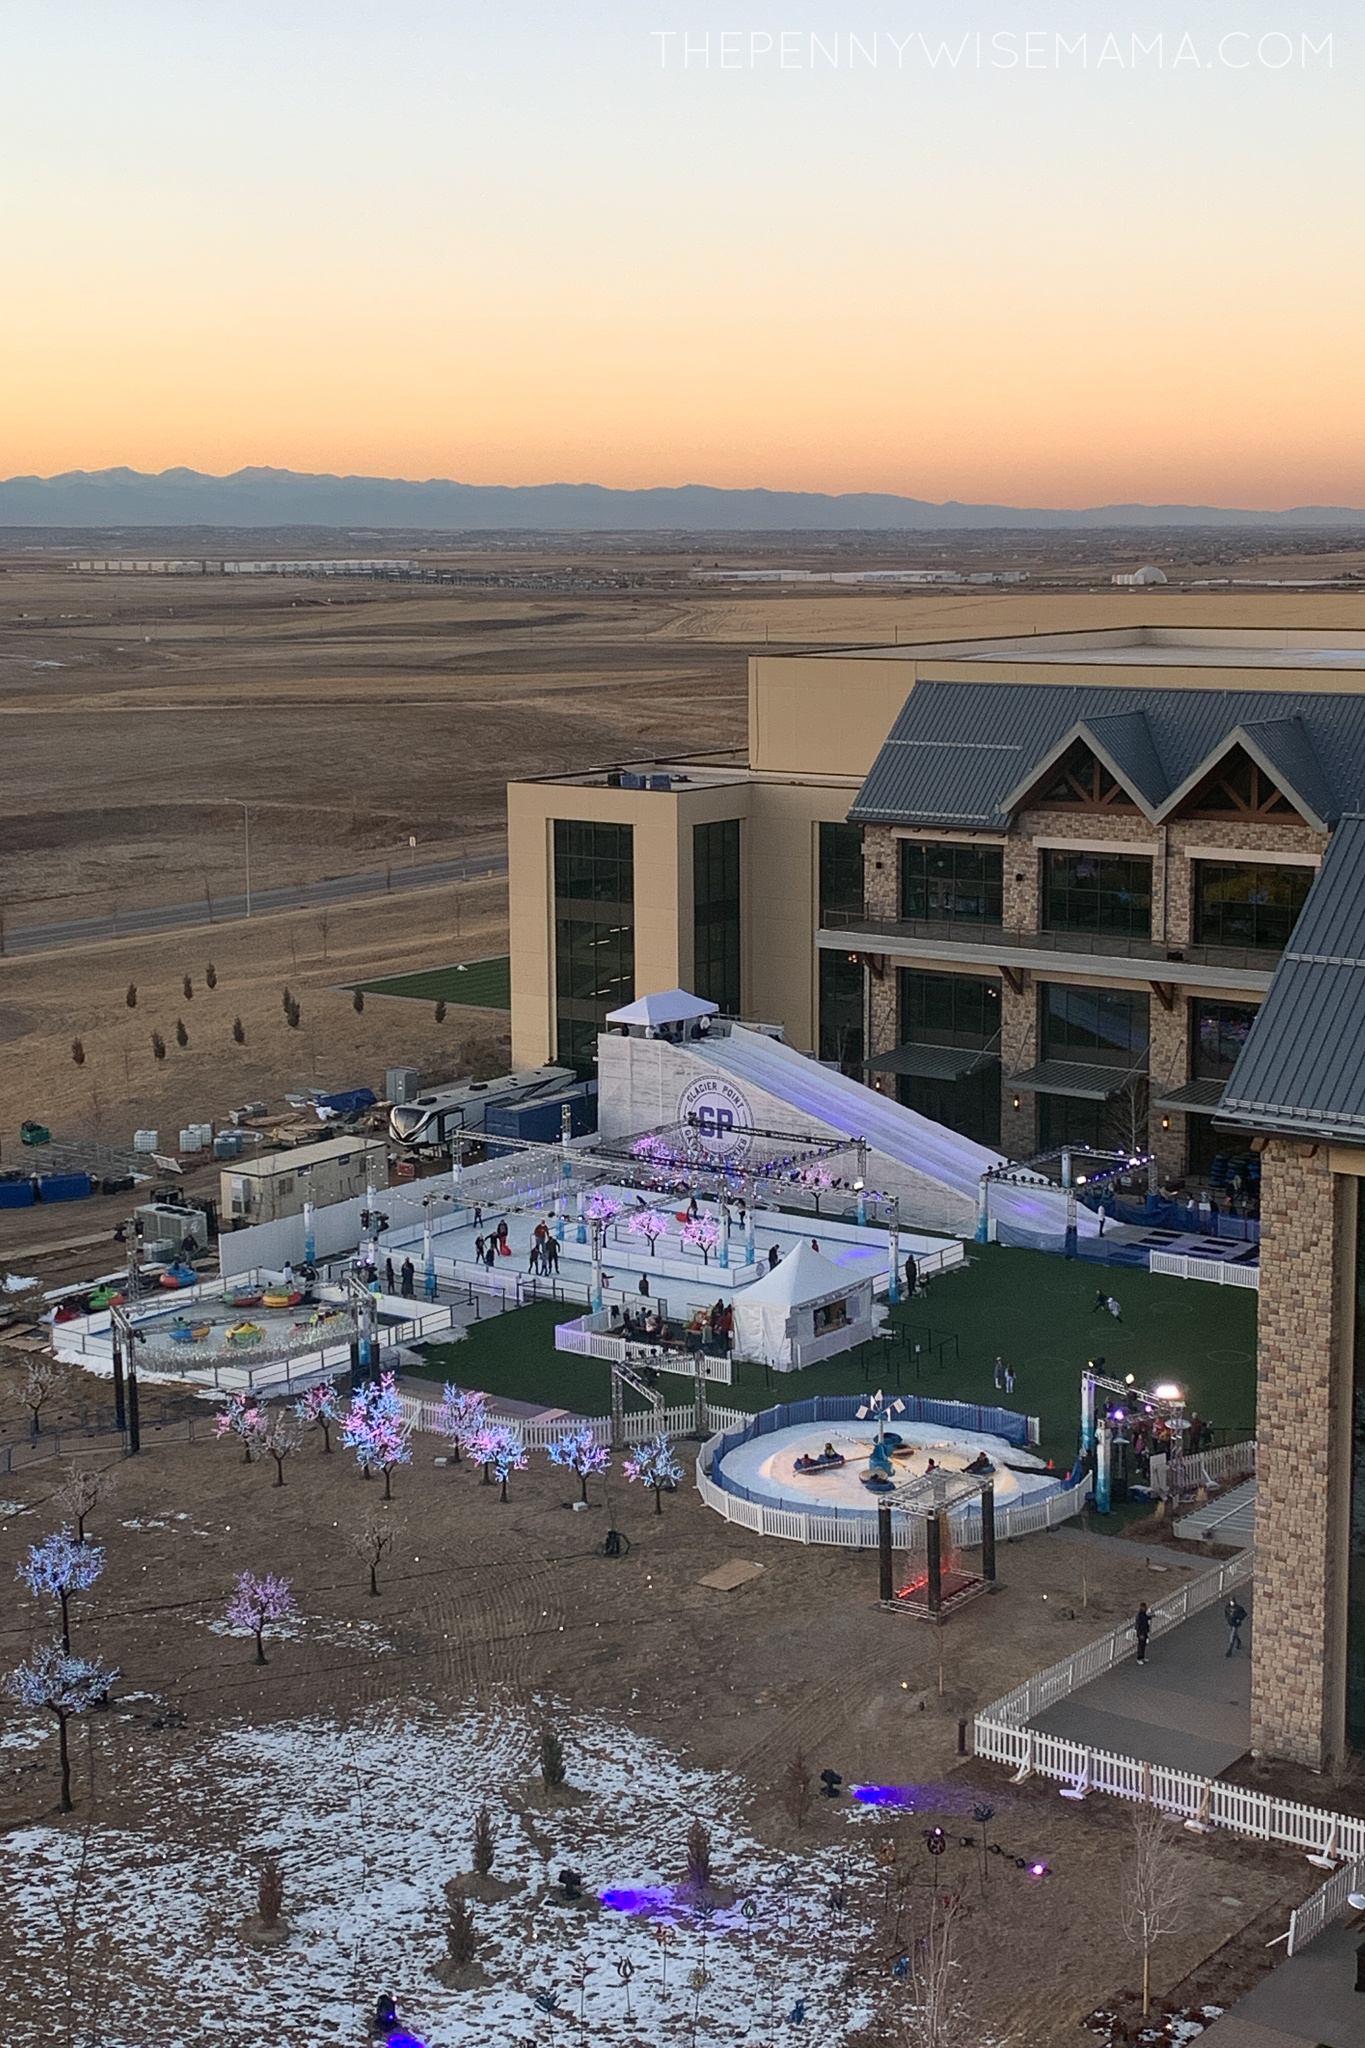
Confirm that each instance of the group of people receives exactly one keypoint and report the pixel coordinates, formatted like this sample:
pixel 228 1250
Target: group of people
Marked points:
pixel 406 1278
pixel 497 1244
pixel 544 1258
pixel 1234 1614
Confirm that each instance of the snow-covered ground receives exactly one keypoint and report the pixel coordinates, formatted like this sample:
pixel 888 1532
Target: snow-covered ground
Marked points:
pixel 369 1823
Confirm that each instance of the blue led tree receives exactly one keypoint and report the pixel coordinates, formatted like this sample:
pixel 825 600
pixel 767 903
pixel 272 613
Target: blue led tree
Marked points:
pixel 57 1683
pixel 375 1430
pixel 580 1451
pixel 654 1465
pixel 58 1567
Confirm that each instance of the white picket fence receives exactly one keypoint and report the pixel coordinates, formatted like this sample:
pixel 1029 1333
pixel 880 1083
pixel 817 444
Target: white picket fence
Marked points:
pixel 1326 1902
pixel 1002 1735
pixel 1220 1271
pixel 859 1531
pixel 1174 1477
pixel 538 1435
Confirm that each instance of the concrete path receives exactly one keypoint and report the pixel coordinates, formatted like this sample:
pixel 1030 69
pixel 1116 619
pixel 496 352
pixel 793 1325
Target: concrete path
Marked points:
pixel 1188 1706
pixel 1231 1519
pixel 1310 1998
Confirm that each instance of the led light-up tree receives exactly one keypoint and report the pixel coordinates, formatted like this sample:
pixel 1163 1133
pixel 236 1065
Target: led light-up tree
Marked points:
pixel 655 1466
pixel 602 1207
pixel 57 1683
pixel 499 1449
pixel 258 1604
pixel 580 1451
pixel 649 1223
pixel 703 1234
pixel 241 1416
pixel 463 1415
pixel 818 1180
pixel 320 1408
pixel 375 1430
pixel 58 1567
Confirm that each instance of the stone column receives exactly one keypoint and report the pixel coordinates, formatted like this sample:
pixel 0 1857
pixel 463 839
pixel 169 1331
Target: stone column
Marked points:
pixel 1303 1428
pixel 1168 1063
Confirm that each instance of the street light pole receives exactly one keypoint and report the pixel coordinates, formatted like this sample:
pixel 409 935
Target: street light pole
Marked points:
pixel 246 838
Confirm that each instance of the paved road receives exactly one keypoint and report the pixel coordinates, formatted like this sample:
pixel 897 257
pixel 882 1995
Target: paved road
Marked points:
pixel 165 917
pixel 1189 1706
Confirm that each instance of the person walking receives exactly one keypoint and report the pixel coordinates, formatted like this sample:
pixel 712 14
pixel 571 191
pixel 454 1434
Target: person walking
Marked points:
pixel 1101 1301
pixel 551 1254
pixel 1142 1628
pixel 1234 1614
pixel 389 1287
pixel 1115 1309
pixel 1009 1379
pixel 407 1273
pixel 999 1372
pixel 478 1260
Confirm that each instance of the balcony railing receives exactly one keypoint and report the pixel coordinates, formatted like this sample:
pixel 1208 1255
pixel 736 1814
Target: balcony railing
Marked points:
pixel 961 932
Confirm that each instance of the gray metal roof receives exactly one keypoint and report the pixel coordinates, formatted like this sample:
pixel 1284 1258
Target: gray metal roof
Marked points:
pixel 931 1062
pixel 1303 1065
pixel 963 754
pixel 1072 1077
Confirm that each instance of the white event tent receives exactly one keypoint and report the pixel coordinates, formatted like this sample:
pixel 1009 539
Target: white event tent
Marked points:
pixel 805 1309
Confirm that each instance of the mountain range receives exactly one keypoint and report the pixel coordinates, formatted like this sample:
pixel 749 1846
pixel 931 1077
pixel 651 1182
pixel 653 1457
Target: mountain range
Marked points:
pixel 121 498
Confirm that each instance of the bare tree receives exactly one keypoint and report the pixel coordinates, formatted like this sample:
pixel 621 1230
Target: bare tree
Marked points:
pixel 45 1379
pixel 936 2017
pixel 373 1537
pixel 795 1789
pixel 81 1492
pixel 1155 1889
pixel 282 1439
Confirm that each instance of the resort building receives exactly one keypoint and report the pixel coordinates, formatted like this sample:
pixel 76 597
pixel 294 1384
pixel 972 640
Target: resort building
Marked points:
pixel 1032 886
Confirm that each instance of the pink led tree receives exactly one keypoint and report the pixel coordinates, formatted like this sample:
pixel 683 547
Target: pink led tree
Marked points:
pixel 258 1604
pixel 650 1223
pixel 703 1234
pixel 241 1417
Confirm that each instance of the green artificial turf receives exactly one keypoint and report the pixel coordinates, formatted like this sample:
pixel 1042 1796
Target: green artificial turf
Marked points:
pixel 476 985
pixel 1035 1310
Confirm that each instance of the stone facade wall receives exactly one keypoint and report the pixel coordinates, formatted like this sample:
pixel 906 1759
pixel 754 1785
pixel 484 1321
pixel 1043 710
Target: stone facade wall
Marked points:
pixel 881 872
pixel 1253 836
pixel 1303 1461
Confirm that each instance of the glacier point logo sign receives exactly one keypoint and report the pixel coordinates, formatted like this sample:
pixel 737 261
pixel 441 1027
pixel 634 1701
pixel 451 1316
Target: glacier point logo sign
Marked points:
pixel 720 1114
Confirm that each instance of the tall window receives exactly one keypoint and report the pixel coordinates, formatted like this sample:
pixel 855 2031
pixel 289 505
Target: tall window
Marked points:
pixel 715 914
pixel 1218 1031
pixel 1246 903
pixel 960 1011
pixel 841 870
pixel 948 884
pixel 1097 892
pixel 841 1011
pixel 1099 1027
pixel 594 932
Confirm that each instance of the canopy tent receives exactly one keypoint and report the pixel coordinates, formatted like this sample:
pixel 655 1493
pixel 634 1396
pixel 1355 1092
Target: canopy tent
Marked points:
pixel 669 1006
pixel 806 1308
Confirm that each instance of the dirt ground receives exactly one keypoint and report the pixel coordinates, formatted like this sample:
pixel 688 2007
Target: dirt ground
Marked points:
pixel 49 1000
pixel 487 1601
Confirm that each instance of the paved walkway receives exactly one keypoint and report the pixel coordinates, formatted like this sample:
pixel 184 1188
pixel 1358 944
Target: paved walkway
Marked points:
pixel 1188 1706
pixel 1230 1518
pixel 1310 1998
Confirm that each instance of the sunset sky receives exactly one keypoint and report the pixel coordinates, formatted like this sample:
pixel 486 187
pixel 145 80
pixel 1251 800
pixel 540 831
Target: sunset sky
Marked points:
pixel 516 243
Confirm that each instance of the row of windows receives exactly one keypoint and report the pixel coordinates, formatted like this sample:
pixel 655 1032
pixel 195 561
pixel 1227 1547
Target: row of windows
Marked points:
pixel 1243 904
pixel 594 882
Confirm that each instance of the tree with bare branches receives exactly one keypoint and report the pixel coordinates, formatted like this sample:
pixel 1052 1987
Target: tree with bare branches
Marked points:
pixel 81 1492
pixel 45 1379
pixel 936 2016
pixel 373 1537
pixel 1155 1889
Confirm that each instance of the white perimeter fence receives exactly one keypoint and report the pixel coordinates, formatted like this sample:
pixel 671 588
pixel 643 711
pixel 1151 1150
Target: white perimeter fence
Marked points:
pixel 1174 1477
pixel 1002 1735
pixel 1221 1272
pixel 858 1531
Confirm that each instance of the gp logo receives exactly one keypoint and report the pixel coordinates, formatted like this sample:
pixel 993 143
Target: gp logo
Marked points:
pixel 721 1116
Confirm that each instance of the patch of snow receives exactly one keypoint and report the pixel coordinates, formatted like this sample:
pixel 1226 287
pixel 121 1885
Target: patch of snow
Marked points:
pixel 14 1507
pixel 369 1823
pixel 27 1737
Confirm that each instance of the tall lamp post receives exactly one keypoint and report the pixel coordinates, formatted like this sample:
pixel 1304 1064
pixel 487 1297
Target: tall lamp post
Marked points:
pixel 246 840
